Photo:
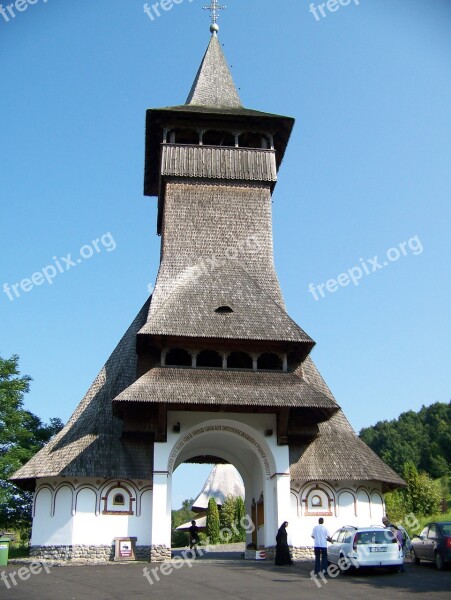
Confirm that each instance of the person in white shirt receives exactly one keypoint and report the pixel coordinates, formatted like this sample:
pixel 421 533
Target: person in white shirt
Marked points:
pixel 320 536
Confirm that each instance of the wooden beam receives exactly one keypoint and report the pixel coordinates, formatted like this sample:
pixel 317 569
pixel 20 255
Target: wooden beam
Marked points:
pixel 282 426
pixel 161 423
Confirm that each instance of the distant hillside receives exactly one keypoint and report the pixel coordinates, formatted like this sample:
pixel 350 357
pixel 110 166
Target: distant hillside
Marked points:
pixel 423 438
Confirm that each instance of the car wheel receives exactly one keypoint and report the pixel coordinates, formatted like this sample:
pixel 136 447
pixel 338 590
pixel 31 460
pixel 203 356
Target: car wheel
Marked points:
pixel 343 565
pixel 439 562
pixel 414 556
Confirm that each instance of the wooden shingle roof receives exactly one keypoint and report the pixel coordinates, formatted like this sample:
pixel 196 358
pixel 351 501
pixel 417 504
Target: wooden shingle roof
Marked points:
pixel 175 385
pixel 184 306
pixel 338 454
pixel 213 85
pixel 213 102
pixel 90 445
pixel 189 309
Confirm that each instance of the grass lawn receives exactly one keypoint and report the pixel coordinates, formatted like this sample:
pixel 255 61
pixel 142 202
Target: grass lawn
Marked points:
pixel 18 551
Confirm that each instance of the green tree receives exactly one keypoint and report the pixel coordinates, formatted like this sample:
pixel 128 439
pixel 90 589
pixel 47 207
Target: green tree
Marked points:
pixel 395 507
pixel 227 519
pixel 22 434
pixel 422 494
pixel 436 459
pixel 213 522
pixel 179 539
pixel 430 429
pixel 421 497
pixel 240 514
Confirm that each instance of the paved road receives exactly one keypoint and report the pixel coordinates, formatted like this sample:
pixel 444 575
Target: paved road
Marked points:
pixel 221 580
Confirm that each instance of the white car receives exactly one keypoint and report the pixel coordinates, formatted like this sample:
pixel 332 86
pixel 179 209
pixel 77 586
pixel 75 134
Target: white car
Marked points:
pixel 354 547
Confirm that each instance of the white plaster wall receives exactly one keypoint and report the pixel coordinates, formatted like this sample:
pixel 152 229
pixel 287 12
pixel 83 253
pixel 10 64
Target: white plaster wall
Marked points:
pixel 86 523
pixel 363 506
pixel 346 506
pixel 141 527
pixel 42 513
pixel 61 522
pixel 343 513
pixel 78 518
pixel 377 507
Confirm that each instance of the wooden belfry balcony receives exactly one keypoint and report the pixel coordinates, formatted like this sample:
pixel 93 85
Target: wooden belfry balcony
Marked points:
pixel 214 162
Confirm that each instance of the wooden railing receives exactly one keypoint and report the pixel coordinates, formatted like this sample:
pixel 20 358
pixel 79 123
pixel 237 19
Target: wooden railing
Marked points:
pixel 215 162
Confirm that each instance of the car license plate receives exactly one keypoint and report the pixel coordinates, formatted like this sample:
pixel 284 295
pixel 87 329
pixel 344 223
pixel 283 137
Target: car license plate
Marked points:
pixel 381 549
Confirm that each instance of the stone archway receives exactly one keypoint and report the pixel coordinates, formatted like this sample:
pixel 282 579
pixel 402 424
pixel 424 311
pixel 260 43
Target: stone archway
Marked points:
pixel 262 465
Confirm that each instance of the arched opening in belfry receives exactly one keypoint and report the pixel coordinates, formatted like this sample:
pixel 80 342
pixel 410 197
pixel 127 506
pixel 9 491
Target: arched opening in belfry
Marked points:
pixel 218 138
pixel 184 136
pixel 269 361
pixel 250 139
pixel 209 358
pixel 239 360
pixel 178 357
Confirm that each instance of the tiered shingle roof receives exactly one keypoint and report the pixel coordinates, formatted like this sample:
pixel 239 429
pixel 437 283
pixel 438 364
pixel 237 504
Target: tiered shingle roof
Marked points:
pixel 91 443
pixel 338 454
pixel 174 385
pixel 207 263
pixel 189 309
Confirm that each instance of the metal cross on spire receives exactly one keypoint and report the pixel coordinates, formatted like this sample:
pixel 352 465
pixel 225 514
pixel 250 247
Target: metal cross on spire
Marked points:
pixel 214 8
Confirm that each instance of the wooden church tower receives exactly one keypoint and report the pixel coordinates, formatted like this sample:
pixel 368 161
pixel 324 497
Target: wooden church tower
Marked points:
pixel 212 369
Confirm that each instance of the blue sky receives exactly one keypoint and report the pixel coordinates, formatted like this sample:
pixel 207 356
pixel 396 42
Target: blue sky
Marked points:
pixel 367 168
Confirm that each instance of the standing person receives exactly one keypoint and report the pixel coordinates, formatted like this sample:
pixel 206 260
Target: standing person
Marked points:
pixel 400 539
pixel 386 522
pixel 398 534
pixel 321 536
pixel 283 556
pixel 194 537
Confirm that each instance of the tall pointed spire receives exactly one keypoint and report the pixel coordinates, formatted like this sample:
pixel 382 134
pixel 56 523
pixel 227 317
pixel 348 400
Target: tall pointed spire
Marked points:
pixel 213 85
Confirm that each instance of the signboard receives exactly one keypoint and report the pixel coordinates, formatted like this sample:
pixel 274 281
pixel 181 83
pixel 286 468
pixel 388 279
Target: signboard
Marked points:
pixel 125 549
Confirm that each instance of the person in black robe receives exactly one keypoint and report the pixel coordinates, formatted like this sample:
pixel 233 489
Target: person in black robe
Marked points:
pixel 193 532
pixel 283 556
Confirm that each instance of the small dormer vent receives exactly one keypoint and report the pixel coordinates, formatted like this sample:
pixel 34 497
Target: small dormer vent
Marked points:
pixel 224 310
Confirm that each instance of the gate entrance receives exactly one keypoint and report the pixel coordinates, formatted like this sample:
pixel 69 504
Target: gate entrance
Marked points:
pixel 240 443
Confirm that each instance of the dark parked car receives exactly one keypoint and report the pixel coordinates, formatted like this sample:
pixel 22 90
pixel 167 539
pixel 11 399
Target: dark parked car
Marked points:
pixel 433 543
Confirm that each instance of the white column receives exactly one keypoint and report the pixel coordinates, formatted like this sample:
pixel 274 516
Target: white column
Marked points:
pixel 161 509
pixel 281 508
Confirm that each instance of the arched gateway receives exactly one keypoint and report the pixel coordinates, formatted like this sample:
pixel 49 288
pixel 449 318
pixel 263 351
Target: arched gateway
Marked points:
pixel 262 465
pixel 211 366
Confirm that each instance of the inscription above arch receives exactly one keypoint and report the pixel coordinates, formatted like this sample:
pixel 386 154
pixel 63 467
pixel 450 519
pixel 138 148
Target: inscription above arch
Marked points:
pixel 223 428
